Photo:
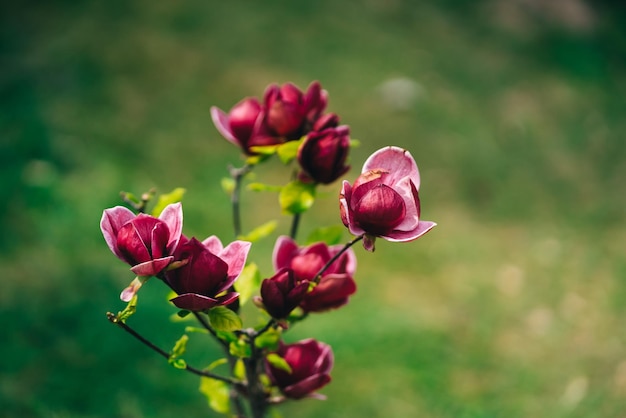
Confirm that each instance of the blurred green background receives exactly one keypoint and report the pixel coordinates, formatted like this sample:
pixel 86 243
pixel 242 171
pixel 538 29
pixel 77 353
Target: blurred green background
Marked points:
pixel 513 306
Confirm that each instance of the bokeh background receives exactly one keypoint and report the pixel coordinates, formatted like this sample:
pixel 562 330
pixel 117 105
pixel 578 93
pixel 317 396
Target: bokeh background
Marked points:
pixel 513 306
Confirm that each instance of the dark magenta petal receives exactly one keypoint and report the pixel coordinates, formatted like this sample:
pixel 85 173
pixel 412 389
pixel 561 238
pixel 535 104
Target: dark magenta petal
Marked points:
pixel 194 302
pixel 307 386
pixel 332 292
pixel 243 117
pixel 152 267
pixel 379 210
pixel 322 155
pixel 284 250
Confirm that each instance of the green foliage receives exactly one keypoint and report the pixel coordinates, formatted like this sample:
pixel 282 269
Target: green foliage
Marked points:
pixel 278 362
pixel 269 339
pixel 128 311
pixel 297 197
pixel 217 394
pixel 179 349
pixel 240 348
pixel 174 196
pixel 260 232
pixel 248 282
pixel 289 150
pixel 331 235
pixel 223 319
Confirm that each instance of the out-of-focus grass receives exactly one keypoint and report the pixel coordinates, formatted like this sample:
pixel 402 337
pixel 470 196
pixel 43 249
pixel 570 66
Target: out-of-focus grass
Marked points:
pixel 511 307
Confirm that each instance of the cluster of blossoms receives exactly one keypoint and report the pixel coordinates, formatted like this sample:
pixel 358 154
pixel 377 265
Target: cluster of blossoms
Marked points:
pixel 206 275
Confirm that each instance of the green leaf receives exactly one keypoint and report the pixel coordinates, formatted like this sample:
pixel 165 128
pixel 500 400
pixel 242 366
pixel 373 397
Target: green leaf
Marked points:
pixel 239 371
pixel 199 330
pixel 223 319
pixel 240 348
pixel 226 336
pixel 248 282
pixel 354 143
pixel 278 362
pixel 179 349
pixel 217 393
pixel 217 363
pixel 228 185
pixel 174 196
pixel 269 339
pixel 265 149
pixel 297 197
pixel 289 150
pixel 128 311
pixel 262 187
pixel 330 235
pixel 260 232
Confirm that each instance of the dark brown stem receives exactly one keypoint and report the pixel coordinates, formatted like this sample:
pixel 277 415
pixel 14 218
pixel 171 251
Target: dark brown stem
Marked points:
pixel 237 174
pixel 318 276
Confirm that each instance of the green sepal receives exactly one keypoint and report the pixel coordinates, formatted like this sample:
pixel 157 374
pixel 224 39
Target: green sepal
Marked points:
pixel 240 348
pixel 260 232
pixel 248 282
pixel 179 349
pixel 128 311
pixel 331 235
pixel 174 196
pixel 223 319
pixel 278 362
pixel 296 197
pixel 217 394
pixel 289 150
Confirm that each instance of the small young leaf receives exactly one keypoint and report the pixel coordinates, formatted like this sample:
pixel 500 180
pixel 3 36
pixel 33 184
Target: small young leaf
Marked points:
pixel 179 347
pixel 228 185
pixel 226 336
pixel 217 363
pixel 217 393
pixel 178 363
pixel 269 339
pixel 174 196
pixel 248 282
pixel 289 150
pixel 330 235
pixel 239 348
pixel 239 371
pixel 265 149
pixel 128 311
pixel 297 197
pixel 199 330
pixel 262 187
pixel 278 362
pixel 223 319
pixel 260 232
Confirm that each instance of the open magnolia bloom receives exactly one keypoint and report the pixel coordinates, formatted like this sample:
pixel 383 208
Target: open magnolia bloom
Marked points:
pixel 207 270
pixel 143 241
pixel 383 201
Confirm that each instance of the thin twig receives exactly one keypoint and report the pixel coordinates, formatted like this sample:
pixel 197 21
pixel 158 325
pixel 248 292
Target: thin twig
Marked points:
pixel 318 276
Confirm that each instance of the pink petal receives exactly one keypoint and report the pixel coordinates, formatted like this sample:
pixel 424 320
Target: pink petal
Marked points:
pixel 172 215
pixel 306 387
pixel 284 250
pixel 213 244
pixel 235 255
pixel 152 267
pixel 221 122
pixel 112 220
pixel 411 201
pixel 397 161
pixel 404 236
pixel 346 212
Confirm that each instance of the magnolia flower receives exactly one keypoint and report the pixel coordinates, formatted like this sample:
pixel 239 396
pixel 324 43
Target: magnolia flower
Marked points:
pixel 290 112
pixel 336 283
pixel 322 155
pixel 383 201
pixel 281 293
pixel 145 242
pixel 244 125
pixel 310 362
pixel 207 270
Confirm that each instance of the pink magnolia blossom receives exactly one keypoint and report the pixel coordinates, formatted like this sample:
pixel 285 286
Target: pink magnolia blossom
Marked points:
pixel 145 242
pixel 310 362
pixel 383 201
pixel 207 271
pixel 244 125
pixel 336 283
pixel 290 112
